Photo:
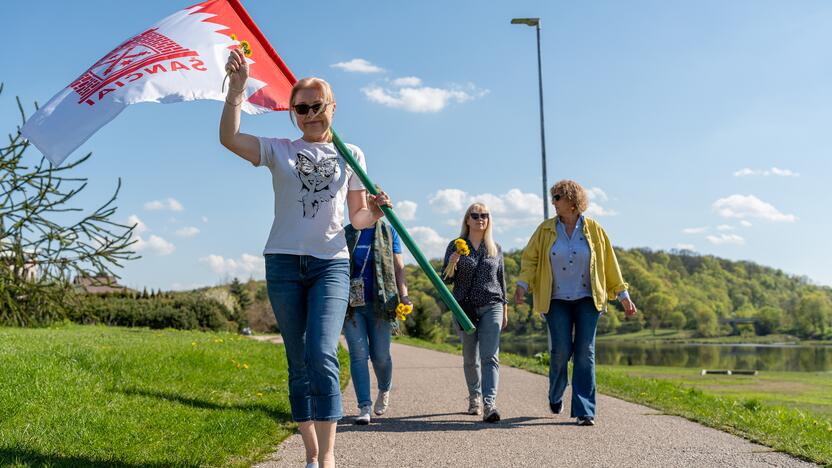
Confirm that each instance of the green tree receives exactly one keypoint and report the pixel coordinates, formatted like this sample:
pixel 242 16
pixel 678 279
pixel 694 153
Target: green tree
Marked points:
pixel 813 314
pixel 769 320
pixel 658 307
pixel 707 322
pixel 240 292
pixel 609 322
pixel 678 320
pixel 46 239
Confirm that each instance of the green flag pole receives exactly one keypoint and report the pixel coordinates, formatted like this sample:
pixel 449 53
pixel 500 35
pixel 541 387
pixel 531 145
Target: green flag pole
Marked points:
pixel 446 295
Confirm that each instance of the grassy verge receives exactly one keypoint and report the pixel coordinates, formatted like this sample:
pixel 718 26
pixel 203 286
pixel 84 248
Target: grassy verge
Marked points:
pixel 760 419
pixel 101 396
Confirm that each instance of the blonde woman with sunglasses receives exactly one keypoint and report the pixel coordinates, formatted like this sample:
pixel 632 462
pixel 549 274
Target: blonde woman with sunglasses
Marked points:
pixel 480 288
pixel 307 261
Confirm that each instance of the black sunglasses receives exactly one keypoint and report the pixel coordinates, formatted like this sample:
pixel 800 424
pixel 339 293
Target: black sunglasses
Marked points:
pixel 303 109
pixel 479 215
pixel 557 197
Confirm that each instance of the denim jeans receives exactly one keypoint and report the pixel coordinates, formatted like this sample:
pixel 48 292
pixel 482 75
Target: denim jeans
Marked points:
pixel 368 338
pixel 309 300
pixel 564 316
pixel 483 347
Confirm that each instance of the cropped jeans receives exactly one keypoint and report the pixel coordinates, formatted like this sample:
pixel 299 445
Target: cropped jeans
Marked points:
pixel 309 300
pixel 368 338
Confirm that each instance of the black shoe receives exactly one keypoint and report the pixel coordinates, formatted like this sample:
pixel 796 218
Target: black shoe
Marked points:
pixel 556 408
pixel 586 421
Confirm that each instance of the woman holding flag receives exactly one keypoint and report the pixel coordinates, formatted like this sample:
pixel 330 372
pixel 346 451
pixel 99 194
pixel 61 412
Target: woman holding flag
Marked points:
pixel 307 262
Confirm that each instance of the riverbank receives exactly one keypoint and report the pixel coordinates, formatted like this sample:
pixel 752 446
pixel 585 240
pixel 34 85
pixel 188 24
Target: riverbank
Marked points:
pixel 685 337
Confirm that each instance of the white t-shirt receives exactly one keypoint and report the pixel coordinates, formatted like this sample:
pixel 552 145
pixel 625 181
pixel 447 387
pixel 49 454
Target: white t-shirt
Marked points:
pixel 310 182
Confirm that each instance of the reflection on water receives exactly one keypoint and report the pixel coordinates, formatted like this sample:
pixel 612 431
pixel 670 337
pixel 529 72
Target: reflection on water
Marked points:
pixel 706 356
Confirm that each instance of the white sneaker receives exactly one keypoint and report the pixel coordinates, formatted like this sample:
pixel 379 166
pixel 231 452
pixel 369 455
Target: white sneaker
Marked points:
pixel 363 416
pixel 474 405
pixel 382 402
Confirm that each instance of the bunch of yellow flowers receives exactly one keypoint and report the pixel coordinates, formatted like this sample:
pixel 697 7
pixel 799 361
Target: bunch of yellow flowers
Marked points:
pixel 403 310
pixel 461 248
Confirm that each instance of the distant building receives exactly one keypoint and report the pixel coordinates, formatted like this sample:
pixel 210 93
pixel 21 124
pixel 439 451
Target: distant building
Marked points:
pixel 100 284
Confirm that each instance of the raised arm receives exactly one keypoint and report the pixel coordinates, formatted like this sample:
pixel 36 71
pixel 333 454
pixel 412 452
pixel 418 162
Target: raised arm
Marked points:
pixel 243 145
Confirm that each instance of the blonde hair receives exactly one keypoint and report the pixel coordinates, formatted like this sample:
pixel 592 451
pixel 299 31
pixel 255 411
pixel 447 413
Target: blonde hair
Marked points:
pixel 573 192
pixel 490 246
pixel 326 93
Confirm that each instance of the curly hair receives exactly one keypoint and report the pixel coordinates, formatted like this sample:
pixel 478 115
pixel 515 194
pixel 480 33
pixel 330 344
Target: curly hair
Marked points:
pixel 573 192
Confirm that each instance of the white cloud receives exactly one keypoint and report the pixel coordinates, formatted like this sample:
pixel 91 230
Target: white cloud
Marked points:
pixel 725 227
pixel 358 65
pixel 721 239
pixel 406 210
pixel 170 204
pixel 596 193
pixel 429 241
pixel 783 172
pixel 448 200
pixel 749 206
pixel 685 246
pixel 695 230
pixel 246 266
pixel 407 81
pixel 154 244
pixel 514 207
pixel 189 231
pixel 520 242
pixel 420 98
pixel 746 223
pixel 595 209
pixel 140 228
pixel 774 171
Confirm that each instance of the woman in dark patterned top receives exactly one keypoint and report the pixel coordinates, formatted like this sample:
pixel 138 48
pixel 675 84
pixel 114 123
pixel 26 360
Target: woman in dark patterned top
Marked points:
pixel 479 286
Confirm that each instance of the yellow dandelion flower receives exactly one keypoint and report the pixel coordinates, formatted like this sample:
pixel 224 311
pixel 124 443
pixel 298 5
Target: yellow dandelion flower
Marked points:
pixel 259 394
pixel 245 366
pixel 193 343
pixel 246 48
pixel 462 247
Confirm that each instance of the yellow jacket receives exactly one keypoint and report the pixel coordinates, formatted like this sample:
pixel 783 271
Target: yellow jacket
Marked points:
pixel 604 272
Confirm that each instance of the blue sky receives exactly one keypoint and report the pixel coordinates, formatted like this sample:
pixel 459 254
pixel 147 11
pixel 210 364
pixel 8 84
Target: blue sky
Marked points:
pixel 700 125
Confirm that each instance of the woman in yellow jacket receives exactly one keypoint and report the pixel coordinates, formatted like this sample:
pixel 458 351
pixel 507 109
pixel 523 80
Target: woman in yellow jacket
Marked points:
pixel 570 268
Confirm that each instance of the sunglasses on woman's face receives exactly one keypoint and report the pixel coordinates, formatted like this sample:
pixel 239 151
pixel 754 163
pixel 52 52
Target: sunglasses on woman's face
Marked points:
pixel 303 109
pixel 476 216
pixel 557 197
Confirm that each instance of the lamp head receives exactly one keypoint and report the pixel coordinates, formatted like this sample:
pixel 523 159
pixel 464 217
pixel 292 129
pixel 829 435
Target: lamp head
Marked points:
pixel 526 21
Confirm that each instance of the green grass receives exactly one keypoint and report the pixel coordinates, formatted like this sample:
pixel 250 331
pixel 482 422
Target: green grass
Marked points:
pixel 100 396
pixel 776 409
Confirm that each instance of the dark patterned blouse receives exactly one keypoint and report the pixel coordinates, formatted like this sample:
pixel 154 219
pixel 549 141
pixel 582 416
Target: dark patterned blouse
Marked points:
pixel 478 278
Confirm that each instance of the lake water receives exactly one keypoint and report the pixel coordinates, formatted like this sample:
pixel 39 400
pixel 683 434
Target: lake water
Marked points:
pixel 798 358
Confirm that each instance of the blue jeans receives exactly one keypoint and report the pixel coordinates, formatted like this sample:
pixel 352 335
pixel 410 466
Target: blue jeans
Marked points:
pixel 368 337
pixel 564 316
pixel 309 300
pixel 483 346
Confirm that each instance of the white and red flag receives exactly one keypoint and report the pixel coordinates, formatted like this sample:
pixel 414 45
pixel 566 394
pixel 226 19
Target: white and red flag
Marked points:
pixel 180 58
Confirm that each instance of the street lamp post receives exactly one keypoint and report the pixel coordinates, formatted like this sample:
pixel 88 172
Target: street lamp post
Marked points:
pixel 536 23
